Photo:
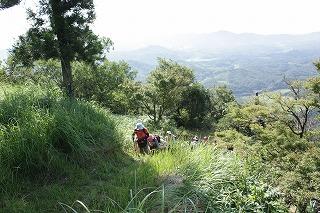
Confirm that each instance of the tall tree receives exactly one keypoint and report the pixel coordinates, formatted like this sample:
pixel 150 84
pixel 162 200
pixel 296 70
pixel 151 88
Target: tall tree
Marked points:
pixel 61 29
pixel 193 109
pixel 165 85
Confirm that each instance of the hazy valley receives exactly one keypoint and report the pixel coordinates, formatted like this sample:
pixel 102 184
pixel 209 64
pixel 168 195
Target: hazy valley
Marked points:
pixel 246 62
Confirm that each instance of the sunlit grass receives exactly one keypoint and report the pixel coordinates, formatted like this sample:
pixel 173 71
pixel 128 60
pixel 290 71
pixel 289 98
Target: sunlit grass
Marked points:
pixel 100 170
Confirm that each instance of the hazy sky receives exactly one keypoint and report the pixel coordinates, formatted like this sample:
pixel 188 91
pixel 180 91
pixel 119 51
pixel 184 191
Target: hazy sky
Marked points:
pixel 135 23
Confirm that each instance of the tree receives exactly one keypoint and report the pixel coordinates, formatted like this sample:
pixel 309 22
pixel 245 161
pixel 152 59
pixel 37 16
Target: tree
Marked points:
pixel 61 29
pixel 36 44
pixel 111 84
pixel 164 87
pixel 194 107
pixel 296 107
pixel 292 159
pixel 220 98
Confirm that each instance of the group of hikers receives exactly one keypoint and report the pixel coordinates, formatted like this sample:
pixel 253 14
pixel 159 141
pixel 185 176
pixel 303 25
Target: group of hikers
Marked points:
pixel 144 142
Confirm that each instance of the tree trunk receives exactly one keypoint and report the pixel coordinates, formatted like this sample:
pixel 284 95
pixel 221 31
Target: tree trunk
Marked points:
pixel 60 29
pixel 67 76
pixel 301 135
pixel 160 114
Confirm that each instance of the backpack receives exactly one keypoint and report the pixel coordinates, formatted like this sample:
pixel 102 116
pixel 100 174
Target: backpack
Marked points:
pixel 157 137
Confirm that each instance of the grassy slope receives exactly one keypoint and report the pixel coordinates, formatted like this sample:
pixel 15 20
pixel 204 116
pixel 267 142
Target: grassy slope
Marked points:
pixel 180 179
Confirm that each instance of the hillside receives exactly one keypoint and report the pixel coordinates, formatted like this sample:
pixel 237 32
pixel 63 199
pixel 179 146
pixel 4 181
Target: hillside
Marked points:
pixel 60 155
pixel 245 62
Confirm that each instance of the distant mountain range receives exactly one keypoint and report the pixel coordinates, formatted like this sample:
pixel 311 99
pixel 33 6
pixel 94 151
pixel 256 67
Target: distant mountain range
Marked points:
pixel 246 62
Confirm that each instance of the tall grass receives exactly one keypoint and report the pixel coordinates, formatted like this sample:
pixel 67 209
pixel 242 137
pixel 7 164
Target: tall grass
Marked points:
pixel 215 181
pixel 202 179
pixel 43 134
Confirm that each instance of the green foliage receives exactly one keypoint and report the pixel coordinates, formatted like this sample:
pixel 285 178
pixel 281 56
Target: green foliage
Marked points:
pixel 3 76
pixel 42 134
pixel 75 147
pixel 163 91
pixel 193 108
pixel 171 91
pixel 313 84
pixel 60 30
pixel 246 119
pixel 43 72
pixel 111 84
pixel 41 44
pixel 220 98
pixel 41 41
pixel 212 183
pixel 36 44
pixel 261 126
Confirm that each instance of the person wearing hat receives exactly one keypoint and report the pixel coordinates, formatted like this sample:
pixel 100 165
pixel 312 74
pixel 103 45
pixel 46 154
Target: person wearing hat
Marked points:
pixel 169 137
pixel 141 133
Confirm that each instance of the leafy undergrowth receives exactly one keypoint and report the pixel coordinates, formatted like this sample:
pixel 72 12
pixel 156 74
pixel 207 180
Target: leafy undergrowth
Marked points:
pixel 54 152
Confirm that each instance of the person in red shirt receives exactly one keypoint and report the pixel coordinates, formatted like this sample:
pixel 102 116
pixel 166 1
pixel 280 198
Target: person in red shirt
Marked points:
pixel 141 134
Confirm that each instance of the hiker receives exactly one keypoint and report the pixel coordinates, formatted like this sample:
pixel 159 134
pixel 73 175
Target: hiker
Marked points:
pixel 205 139
pixel 194 141
pixel 315 203
pixel 261 121
pixel 154 141
pixel 170 137
pixel 141 134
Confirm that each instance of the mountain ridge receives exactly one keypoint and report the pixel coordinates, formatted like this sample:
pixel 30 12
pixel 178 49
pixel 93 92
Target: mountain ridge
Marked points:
pixel 246 62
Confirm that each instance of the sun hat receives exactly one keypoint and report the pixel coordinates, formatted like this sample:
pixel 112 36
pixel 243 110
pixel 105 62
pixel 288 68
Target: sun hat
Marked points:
pixel 139 126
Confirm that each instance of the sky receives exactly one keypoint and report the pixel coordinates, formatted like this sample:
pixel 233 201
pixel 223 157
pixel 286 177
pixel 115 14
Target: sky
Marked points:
pixel 136 23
